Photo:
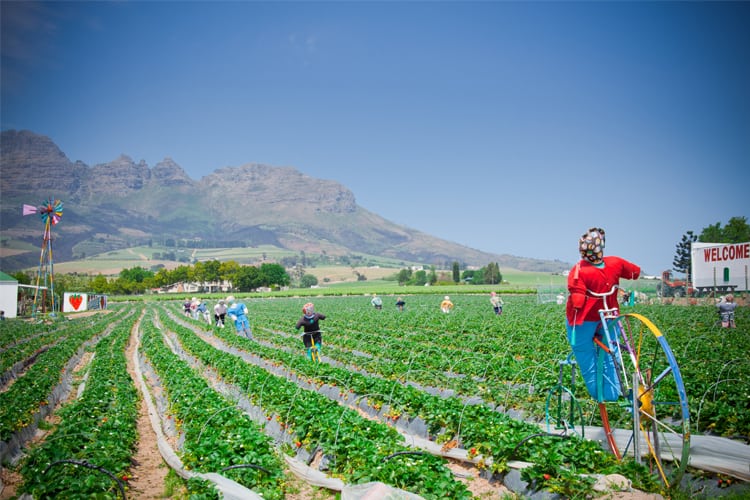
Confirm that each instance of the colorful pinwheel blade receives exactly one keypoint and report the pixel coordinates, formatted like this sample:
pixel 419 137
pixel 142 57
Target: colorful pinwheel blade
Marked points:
pixel 52 210
pixel 29 209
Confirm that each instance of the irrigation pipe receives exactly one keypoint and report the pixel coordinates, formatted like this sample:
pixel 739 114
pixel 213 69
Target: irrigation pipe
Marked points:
pixel 90 466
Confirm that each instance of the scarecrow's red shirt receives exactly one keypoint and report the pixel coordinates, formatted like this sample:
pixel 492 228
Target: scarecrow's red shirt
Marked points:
pixel 586 277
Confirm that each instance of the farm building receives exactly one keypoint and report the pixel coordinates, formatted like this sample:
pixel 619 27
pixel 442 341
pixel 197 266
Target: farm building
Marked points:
pixel 8 295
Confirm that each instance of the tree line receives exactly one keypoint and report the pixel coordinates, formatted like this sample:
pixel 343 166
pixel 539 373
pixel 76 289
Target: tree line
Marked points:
pixel 138 280
pixel 490 274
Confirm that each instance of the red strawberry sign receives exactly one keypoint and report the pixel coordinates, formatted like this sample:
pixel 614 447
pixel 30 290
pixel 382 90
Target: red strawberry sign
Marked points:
pixel 75 301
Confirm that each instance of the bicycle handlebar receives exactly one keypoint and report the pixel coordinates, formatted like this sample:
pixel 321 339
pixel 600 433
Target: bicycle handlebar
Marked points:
pixel 604 294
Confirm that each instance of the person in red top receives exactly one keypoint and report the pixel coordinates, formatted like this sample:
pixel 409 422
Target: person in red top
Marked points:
pixel 594 275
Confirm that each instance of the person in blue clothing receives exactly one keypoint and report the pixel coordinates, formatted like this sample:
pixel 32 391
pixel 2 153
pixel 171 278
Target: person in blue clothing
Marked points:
pixel 202 311
pixel 311 328
pixel 238 312
pixel 376 302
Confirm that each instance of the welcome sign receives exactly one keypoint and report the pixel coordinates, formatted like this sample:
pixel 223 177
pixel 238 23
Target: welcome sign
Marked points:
pixel 716 264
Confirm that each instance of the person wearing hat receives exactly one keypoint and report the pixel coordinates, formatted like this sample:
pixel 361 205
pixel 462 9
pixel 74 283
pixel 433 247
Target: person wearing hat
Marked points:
pixel 591 277
pixel 497 303
pixel 726 308
pixel 238 312
pixel 309 322
pixel 446 305
pixel 376 301
pixel 220 312
pixel 202 310
pixel 194 307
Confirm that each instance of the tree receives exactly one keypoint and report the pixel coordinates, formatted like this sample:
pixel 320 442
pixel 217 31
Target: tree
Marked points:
pixel 248 278
pixel 274 274
pixel 433 275
pixel 736 231
pixel 492 273
pixel 420 278
pixel 308 280
pixel 22 278
pixel 228 269
pixel 99 284
pixel 404 276
pixel 456 272
pixel 136 274
pixel 682 260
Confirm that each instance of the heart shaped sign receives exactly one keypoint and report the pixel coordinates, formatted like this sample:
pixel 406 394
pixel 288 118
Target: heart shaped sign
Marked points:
pixel 75 301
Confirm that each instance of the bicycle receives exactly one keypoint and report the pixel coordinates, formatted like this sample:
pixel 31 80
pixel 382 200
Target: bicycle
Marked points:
pixel 313 352
pixel 652 400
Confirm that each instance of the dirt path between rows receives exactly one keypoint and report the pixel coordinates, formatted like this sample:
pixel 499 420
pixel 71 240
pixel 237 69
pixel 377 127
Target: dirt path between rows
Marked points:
pixel 149 470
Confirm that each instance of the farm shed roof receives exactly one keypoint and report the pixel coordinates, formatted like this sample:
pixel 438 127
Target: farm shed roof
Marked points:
pixel 6 277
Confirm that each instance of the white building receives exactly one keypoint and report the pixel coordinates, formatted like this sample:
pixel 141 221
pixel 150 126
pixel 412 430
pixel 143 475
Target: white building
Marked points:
pixel 8 295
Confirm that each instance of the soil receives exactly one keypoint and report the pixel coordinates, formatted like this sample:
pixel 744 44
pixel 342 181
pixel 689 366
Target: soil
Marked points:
pixel 147 480
pixel 149 470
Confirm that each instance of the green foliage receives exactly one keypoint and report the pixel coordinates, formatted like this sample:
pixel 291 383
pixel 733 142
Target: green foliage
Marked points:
pixel 22 278
pixel 137 274
pixel 419 278
pixel 737 230
pixel 273 274
pixel 492 273
pixel 682 258
pixel 456 272
pixel 247 278
pixel 404 276
pixel 308 280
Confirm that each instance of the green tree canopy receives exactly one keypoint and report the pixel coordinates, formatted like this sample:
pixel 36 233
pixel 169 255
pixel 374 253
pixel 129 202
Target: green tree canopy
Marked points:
pixel 308 280
pixel 248 278
pixel 274 274
pixel 737 230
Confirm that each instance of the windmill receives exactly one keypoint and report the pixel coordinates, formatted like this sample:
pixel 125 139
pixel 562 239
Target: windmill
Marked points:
pixel 50 212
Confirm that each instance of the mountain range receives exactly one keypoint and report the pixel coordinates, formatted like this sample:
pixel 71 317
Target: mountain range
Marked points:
pixel 122 203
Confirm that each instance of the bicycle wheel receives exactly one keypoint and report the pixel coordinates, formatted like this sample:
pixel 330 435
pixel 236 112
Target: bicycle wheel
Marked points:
pixel 649 370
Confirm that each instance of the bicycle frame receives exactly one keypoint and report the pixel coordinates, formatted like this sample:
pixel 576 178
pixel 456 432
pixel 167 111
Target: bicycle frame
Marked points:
pixel 314 350
pixel 612 333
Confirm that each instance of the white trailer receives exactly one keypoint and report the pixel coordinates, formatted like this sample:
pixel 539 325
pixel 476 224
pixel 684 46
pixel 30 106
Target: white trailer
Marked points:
pixel 720 267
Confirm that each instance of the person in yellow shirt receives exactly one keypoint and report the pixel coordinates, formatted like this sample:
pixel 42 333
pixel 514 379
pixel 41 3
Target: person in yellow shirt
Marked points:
pixel 446 305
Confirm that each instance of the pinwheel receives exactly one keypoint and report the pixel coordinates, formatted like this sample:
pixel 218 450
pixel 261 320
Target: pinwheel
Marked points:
pixel 51 212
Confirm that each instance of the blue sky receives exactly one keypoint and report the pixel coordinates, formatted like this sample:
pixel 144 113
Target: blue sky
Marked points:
pixel 507 127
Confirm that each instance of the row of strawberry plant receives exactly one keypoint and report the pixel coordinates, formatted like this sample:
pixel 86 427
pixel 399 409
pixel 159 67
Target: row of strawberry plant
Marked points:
pixel 216 435
pixel 487 432
pixel 24 350
pixel 98 430
pixel 359 447
pixel 715 369
pixel 28 394
pixel 498 378
pixel 16 331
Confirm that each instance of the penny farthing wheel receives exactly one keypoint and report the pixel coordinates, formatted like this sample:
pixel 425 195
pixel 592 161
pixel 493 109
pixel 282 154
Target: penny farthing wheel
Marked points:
pixel 655 407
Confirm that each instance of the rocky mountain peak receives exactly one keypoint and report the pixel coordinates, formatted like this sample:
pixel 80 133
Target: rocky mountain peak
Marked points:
pixel 23 146
pixel 169 173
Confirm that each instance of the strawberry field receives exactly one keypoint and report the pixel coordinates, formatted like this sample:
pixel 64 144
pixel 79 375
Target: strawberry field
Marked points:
pixel 399 396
